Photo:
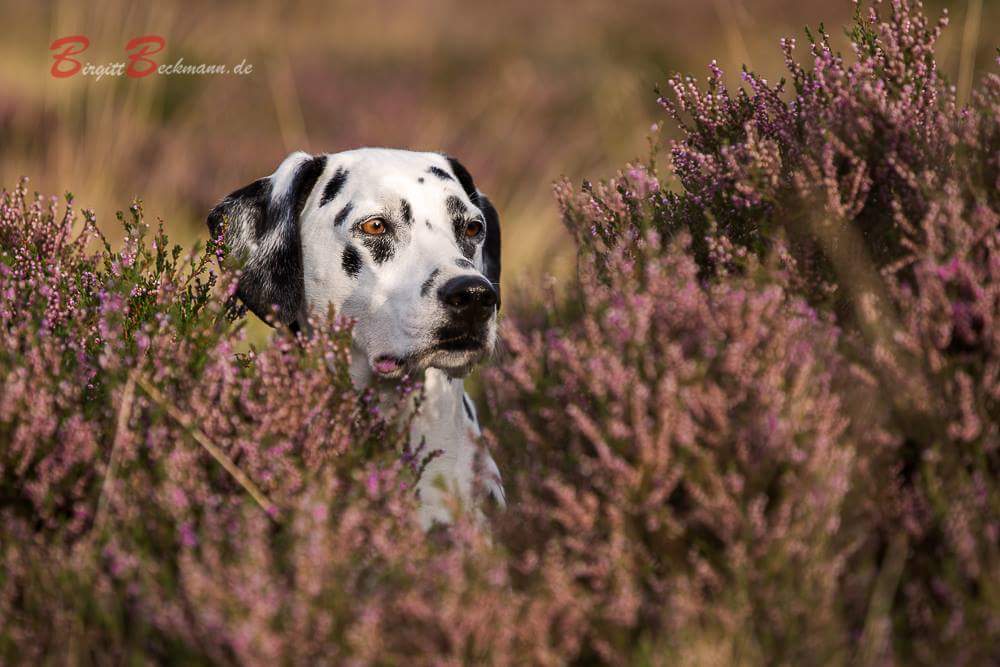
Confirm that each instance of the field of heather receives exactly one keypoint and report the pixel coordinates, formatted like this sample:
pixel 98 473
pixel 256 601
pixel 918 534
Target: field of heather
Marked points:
pixel 747 397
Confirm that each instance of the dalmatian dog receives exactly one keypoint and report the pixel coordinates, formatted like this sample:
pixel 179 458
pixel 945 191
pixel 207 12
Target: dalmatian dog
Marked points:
pixel 405 245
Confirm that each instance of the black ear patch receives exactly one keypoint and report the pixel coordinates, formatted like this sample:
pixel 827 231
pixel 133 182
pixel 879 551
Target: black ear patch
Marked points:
pixel 262 232
pixel 491 247
pixel 464 178
pixel 304 181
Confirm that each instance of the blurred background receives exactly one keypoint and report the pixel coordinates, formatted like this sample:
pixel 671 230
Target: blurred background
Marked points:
pixel 521 91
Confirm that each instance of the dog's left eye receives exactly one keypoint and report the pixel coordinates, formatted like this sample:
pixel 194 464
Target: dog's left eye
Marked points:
pixel 473 229
pixel 374 227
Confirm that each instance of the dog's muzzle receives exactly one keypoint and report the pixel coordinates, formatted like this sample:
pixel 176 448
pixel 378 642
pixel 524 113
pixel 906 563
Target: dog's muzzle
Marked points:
pixel 470 302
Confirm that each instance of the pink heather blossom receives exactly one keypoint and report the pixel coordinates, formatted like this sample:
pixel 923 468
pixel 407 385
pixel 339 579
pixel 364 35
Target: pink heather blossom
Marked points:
pixel 763 419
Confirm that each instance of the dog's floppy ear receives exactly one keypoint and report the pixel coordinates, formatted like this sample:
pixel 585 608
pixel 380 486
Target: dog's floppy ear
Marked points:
pixel 491 247
pixel 261 223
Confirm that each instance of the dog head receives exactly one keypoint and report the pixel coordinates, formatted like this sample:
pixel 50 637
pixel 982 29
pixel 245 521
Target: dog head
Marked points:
pixel 402 242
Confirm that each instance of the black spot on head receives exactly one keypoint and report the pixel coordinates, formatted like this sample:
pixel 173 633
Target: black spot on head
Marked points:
pixel 334 186
pixel 426 287
pixel 456 207
pixel 428 223
pixel 420 179
pixel 351 261
pixel 464 264
pixel 342 215
pixel 441 173
pixel 381 248
pixel 407 212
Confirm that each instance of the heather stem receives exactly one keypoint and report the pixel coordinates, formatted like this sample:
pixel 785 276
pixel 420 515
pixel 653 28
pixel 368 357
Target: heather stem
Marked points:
pixel 270 508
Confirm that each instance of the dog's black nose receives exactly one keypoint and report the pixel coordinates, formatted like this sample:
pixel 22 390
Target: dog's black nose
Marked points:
pixel 469 297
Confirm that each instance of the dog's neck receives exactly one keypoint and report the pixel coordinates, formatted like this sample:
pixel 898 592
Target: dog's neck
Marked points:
pixel 441 428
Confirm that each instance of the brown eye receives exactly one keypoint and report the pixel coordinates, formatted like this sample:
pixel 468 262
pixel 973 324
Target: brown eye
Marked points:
pixel 374 227
pixel 473 228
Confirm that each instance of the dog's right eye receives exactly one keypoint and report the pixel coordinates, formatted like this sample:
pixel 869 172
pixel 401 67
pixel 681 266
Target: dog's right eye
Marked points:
pixel 473 228
pixel 374 227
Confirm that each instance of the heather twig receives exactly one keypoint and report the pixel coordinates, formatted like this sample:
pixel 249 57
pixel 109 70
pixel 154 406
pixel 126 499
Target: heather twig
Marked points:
pixel 199 437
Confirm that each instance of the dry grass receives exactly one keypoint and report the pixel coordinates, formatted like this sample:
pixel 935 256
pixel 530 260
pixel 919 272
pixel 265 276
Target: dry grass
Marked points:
pixel 523 92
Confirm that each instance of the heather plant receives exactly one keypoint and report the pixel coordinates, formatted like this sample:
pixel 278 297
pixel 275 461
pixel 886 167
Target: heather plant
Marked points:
pixel 112 514
pixel 704 463
pixel 167 498
pixel 759 426
pixel 866 192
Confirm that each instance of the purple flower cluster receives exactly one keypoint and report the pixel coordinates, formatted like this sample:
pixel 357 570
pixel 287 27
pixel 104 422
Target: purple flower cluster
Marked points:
pixel 703 459
pixel 118 527
pixel 772 408
pixel 762 424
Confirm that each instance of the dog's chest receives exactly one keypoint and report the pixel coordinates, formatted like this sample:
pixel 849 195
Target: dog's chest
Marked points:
pixel 443 428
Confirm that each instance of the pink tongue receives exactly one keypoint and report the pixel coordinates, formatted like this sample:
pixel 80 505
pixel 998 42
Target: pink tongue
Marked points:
pixel 386 365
